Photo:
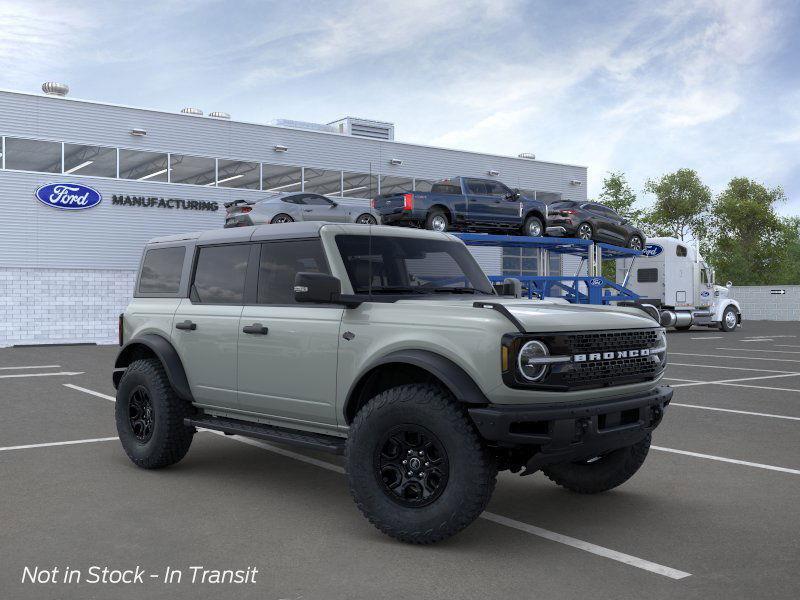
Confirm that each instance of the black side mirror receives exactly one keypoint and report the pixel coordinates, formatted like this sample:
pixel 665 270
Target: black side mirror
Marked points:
pixel 334 204
pixel 320 288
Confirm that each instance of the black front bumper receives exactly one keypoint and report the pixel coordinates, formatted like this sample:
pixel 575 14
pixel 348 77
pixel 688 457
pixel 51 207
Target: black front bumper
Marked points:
pixel 563 433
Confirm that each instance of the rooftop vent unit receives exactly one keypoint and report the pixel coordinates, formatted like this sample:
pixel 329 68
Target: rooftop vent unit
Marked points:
pixel 376 130
pixel 493 172
pixel 527 155
pixel 51 88
pixel 192 111
pixel 219 115
pixel 303 125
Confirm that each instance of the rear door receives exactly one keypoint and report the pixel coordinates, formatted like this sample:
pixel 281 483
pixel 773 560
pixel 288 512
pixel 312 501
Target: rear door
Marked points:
pixel 480 202
pixel 287 352
pixel 206 325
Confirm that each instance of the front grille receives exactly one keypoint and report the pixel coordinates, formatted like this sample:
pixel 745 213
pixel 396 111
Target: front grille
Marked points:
pixel 595 374
pixel 607 341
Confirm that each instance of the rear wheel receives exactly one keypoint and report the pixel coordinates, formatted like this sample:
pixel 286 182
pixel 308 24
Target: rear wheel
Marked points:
pixel 149 416
pixel 729 320
pixel 437 220
pixel 367 219
pixel 533 227
pixel 600 473
pixel 416 466
pixel 282 218
pixel 584 231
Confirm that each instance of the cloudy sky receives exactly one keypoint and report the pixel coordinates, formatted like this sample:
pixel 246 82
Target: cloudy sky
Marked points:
pixel 641 87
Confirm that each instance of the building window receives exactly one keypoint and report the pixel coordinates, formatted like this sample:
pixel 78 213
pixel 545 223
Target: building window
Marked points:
pixel 359 185
pixel 237 174
pixel 194 170
pixel 96 161
pixel 396 185
pixel 33 155
pixel 143 166
pixel 280 178
pixel 321 181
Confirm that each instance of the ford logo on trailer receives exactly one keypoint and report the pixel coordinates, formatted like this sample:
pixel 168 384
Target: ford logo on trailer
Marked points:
pixel 652 250
pixel 68 196
pixel 705 293
pixel 596 282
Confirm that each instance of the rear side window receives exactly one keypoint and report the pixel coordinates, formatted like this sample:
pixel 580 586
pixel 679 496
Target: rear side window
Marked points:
pixel 446 187
pixel 681 251
pixel 647 275
pixel 477 186
pixel 161 270
pixel 280 262
pixel 220 274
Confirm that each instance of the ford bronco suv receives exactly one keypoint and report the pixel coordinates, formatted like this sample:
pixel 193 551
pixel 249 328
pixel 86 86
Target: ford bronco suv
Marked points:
pixel 390 346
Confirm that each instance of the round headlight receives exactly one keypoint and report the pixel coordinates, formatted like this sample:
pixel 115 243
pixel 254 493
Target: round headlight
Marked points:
pixel 526 360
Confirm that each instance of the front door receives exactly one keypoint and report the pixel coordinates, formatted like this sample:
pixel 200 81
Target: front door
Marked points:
pixel 705 290
pixel 206 325
pixel 320 208
pixel 288 351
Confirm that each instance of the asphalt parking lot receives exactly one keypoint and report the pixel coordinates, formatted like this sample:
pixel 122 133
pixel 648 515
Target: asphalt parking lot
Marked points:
pixel 714 512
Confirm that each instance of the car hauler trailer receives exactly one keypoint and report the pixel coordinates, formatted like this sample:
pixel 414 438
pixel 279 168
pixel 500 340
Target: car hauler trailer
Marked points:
pixel 672 276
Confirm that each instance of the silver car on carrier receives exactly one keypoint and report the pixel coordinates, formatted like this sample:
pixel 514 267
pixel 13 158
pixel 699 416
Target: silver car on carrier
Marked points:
pixel 289 207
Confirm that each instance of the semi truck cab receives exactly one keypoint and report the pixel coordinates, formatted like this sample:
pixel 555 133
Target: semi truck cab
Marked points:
pixel 672 276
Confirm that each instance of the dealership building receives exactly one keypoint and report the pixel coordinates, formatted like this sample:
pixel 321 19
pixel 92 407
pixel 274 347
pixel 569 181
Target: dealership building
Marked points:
pixel 65 275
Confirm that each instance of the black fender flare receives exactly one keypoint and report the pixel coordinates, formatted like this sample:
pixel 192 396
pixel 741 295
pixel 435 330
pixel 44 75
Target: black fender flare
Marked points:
pixel 165 352
pixel 462 386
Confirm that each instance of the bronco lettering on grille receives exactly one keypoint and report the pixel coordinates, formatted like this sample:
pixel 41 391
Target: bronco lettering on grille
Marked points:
pixel 610 355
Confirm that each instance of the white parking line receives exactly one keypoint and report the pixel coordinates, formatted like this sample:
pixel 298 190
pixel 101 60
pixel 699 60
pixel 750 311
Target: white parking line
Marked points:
pixel 588 547
pixel 708 337
pixel 726 381
pixel 672 364
pixel 759 340
pixel 49 444
pixel 759 350
pixel 727 460
pixel 786 346
pixel 761 387
pixel 92 392
pixel 31 367
pixel 739 357
pixel 519 525
pixel 16 375
pixel 739 412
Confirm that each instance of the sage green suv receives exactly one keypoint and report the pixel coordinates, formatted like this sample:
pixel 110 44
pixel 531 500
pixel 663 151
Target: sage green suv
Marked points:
pixel 389 346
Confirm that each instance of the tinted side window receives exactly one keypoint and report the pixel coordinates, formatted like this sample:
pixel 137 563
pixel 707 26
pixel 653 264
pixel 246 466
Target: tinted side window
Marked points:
pixel 446 188
pixel 315 200
pixel 280 262
pixel 476 186
pixel 681 251
pixel 161 271
pixel 495 188
pixel 220 272
pixel 647 275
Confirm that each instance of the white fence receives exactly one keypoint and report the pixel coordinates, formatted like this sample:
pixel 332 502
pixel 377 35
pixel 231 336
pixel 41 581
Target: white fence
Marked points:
pixel 768 303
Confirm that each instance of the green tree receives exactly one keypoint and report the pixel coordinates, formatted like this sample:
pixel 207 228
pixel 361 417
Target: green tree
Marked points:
pixel 681 205
pixel 618 195
pixel 749 243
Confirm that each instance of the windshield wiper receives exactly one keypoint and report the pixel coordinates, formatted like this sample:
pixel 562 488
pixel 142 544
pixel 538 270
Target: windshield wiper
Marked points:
pixel 395 289
pixel 459 290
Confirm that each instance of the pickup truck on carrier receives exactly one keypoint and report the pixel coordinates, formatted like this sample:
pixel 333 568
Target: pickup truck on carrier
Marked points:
pixel 465 203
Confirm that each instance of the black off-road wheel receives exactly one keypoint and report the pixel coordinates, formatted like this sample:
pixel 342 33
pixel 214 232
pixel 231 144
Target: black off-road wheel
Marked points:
pixel 150 416
pixel 600 473
pixel 416 466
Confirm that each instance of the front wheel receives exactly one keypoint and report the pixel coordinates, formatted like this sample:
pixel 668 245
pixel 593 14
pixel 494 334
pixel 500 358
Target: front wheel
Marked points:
pixel 533 227
pixel 729 320
pixel 150 416
pixel 600 473
pixel 416 466
pixel 635 243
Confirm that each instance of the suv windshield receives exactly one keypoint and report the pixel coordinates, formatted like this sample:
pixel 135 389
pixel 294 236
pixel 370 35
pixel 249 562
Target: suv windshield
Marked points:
pixel 401 265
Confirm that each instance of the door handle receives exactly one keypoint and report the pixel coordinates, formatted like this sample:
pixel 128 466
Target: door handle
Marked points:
pixel 255 328
pixel 308 209
pixel 187 325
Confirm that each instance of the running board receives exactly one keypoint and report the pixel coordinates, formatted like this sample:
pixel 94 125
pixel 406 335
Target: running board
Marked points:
pixel 306 439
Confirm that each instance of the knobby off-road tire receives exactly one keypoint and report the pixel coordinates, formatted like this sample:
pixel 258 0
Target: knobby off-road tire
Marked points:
pixel 603 474
pixel 467 472
pixel 150 415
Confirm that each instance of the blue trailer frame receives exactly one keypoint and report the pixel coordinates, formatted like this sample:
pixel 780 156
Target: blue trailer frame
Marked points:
pixel 579 289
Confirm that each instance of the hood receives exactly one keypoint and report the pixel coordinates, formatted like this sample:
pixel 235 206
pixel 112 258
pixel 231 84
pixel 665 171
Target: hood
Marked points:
pixel 541 316
pixel 720 291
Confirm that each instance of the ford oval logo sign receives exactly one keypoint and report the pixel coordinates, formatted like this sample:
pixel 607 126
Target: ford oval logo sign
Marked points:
pixel 596 282
pixel 68 196
pixel 705 294
pixel 652 250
